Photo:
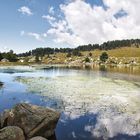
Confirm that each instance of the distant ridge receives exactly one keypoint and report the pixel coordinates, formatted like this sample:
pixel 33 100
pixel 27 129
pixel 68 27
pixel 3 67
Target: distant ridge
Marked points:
pixel 109 45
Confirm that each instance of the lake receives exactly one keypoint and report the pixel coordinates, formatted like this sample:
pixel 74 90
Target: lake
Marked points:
pixel 94 104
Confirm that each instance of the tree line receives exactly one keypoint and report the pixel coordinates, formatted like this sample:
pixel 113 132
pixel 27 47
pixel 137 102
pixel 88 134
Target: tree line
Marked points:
pixel 110 45
pixel 10 56
pixel 90 47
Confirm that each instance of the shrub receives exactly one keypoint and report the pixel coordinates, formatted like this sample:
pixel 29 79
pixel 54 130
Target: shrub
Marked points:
pixel 68 55
pixel 76 53
pixel 37 59
pixel 87 60
pixel 90 54
pixel 104 57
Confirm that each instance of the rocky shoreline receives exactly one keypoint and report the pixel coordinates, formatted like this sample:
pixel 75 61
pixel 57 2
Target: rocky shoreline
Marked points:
pixel 28 122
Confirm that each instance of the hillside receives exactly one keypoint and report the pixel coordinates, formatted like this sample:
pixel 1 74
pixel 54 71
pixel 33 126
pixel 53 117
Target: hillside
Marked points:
pixel 110 45
pixel 124 55
pixel 119 52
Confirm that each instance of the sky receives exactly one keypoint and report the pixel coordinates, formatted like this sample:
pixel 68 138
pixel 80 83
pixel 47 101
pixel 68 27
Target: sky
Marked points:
pixel 29 24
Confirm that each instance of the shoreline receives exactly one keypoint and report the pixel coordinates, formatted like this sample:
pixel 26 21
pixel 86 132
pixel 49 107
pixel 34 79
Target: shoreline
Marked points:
pixel 120 68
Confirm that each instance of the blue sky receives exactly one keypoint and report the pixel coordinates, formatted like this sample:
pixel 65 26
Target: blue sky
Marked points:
pixel 13 22
pixel 66 23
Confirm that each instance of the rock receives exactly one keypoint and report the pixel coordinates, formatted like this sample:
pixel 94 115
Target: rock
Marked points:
pixel 1 84
pixel 38 138
pixel 12 133
pixel 33 120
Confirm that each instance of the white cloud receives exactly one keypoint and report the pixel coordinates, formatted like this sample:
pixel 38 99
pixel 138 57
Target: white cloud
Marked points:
pixel 48 17
pixel 37 36
pixel 51 10
pixel 25 10
pixel 44 34
pixel 84 24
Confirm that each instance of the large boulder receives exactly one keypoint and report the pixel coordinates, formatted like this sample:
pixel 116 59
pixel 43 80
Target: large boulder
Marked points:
pixel 33 120
pixel 11 133
pixel 38 138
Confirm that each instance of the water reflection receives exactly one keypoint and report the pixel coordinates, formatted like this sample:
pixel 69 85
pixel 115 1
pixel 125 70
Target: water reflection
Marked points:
pixel 85 129
pixel 135 70
pixel 16 69
pixel 94 104
pixel 70 132
pixel 126 69
pixel 115 101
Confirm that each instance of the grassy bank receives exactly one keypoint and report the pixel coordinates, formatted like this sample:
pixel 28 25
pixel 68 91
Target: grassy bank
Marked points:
pixel 119 52
pixel 124 55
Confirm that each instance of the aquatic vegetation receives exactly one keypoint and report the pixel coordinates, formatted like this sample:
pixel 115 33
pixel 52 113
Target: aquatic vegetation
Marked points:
pixel 15 69
pixel 115 101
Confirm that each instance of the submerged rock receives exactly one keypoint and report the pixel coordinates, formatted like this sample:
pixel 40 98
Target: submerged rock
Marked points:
pixel 38 138
pixel 11 133
pixel 1 84
pixel 33 120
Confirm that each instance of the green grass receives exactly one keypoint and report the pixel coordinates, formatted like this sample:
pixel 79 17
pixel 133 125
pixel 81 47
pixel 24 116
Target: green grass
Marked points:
pixel 123 54
pixel 13 63
pixel 126 52
pixel 120 52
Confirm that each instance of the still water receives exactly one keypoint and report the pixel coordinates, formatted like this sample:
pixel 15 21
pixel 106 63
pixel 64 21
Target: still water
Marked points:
pixel 94 105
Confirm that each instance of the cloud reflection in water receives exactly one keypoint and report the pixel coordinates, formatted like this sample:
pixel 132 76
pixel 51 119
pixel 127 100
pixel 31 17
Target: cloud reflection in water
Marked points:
pixel 115 102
